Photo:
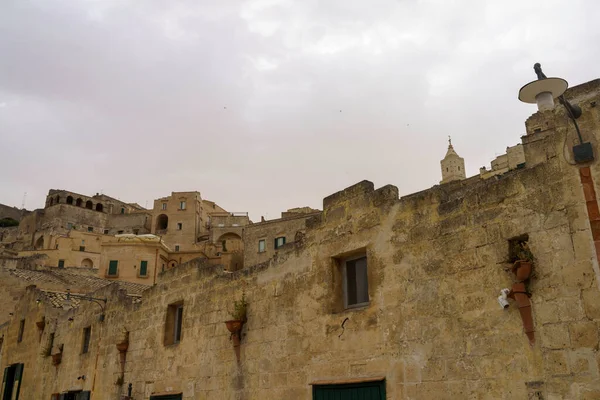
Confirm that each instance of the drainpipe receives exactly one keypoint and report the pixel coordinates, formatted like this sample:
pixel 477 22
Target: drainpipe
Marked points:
pixel 155 265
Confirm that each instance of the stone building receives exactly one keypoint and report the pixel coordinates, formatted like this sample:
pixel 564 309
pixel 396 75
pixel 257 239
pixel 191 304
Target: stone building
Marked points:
pixel 394 297
pixel 264 239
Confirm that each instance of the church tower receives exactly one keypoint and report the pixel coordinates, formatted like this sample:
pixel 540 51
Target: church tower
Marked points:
pixel 453 166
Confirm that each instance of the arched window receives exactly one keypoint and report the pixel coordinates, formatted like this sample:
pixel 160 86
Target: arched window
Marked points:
pixel 89 205
pixel 39 244
pixel 69 199
pixel 57 199
pixel 78 202
pixel 99 207
pixel 162 221
pixel 87 263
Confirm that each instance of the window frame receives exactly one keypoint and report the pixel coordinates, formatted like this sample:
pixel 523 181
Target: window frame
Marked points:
pixel 264 247
pixel 180 226
pixel 176 247
pixel 116 264
pixel 86 339
pixel 182 205
pixel 164 206
pixel 21 330
pixel 276 245
pixel 344 263
pixel 174 324
pixel 143 267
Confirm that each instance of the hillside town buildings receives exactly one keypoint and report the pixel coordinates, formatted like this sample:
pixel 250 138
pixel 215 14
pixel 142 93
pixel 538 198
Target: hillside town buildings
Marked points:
pixel 375 295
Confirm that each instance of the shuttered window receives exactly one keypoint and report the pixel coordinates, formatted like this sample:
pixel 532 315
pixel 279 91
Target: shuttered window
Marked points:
pixel 113 267
pixel 143 268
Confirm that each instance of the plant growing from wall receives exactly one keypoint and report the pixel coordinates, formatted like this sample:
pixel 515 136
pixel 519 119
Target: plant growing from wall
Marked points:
pixel 240 308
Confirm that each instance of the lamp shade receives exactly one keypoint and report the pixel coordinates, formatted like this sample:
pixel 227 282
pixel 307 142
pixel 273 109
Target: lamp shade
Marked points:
pixel 529 92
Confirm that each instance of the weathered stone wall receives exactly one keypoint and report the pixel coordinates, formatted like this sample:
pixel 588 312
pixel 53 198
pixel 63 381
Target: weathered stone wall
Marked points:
pixel 136 222
pixel 12 212
pixel 433 328
pixel 190 219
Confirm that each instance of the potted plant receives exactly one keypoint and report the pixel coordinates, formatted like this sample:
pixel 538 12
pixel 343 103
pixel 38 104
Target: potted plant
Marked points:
pixel 523 261
pixel 238 315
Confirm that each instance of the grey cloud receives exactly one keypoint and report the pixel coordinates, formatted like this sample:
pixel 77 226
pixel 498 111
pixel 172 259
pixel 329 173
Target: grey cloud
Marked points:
pixel 242 100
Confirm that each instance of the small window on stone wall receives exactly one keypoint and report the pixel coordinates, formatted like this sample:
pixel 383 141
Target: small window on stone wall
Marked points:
pixel 518 249
pixel 90 229
pixel 261 245
pixel 106 231
pixel 21 330
pixel 87 335
pixel 174 323
pixel 355 282
pixel 280 241
pixel 179 226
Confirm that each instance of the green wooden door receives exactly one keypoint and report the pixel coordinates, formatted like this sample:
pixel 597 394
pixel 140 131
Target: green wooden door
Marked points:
pixel 167 397
pixel 353 391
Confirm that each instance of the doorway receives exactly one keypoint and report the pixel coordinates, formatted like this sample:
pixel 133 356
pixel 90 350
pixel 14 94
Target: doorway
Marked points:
pixel 351 391
pixel 11 383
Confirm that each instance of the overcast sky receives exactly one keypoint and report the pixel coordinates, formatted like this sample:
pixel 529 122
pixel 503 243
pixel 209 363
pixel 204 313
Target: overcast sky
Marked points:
pixel 264 105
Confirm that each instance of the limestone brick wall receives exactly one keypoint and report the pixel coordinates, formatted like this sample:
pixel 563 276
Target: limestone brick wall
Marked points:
pixel 129 223
pixel 129 256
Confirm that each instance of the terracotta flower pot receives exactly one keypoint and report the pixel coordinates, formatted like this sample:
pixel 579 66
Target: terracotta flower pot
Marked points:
pixel 122 347
pixel 522 269
pixel 41 324
pixel 56 358
pixel 234 325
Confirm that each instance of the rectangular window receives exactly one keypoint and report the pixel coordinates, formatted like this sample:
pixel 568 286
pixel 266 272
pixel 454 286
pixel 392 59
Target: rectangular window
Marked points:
pixel 106 231
pixel 69 225
pixel 90 229
pixel 113 267
pixel 81 248
pixel 174 323
pixel 122 210
pixel 21 330
pixel 119 232
pixel 261 246
pixel 280 241
pixel 87 334
pixel 56 246
pixel 177 247
pixel 61 263
pixel 136 231
pixel 179 226
pixel 356 285
pixel 143 268
pixel 164 206
pixel 49 345
pixel 182 205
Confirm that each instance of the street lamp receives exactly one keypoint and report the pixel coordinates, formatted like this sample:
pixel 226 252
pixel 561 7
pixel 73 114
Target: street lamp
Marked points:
pixel 543 91
pixel 67 304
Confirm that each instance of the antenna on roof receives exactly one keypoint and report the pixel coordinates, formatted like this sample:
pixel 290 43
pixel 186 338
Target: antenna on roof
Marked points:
pixel 101 191
pixel 23 203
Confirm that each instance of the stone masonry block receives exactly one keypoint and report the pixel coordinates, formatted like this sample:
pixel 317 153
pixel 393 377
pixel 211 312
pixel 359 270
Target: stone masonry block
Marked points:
pixel 584 334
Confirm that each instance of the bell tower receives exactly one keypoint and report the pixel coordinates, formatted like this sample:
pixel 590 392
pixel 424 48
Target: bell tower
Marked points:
pixel 453 166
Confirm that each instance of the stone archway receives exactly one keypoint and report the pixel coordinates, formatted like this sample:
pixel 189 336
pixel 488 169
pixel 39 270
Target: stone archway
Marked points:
pixel 87 263
pixel 39 244
pixel 99 207
pixel 78 202
pixel 162 222
pixel 230 242
pixel 69 199
pixel 89 205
